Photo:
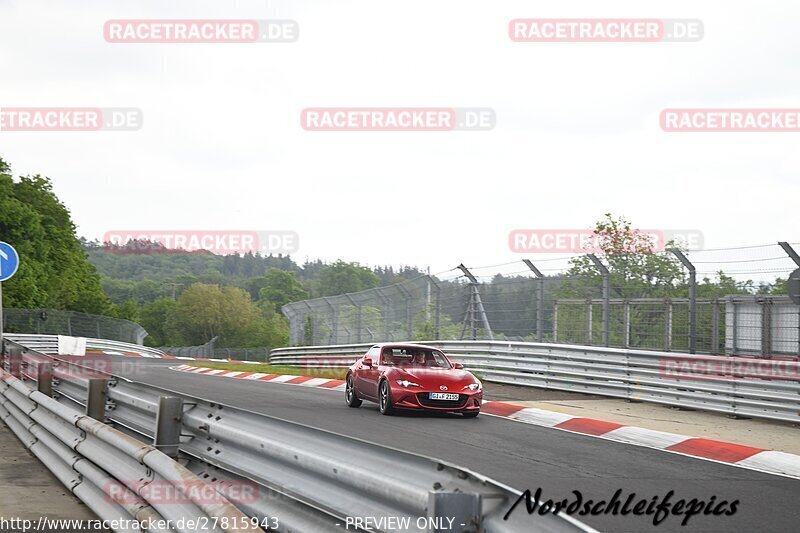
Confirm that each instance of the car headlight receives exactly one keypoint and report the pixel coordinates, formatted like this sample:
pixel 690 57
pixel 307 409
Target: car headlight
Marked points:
pixel 406 383
pixel 473 386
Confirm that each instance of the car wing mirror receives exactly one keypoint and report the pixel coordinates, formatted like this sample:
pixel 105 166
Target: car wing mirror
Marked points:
pixel 458 366
pixel 367 362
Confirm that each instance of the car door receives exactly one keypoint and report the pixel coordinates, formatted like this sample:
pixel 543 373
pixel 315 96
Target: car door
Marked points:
pixel 371 375
pixel 363 374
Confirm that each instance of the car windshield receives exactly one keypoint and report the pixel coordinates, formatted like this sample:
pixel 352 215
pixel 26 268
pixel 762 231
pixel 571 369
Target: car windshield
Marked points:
pixel 415 357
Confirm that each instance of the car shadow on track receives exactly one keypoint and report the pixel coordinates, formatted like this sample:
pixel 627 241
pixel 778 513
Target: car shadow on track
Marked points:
pixel 409 413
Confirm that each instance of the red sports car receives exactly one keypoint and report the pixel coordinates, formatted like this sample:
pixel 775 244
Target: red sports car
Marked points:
pixel 412 376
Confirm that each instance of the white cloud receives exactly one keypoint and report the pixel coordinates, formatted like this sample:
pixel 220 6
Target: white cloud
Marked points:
pixel 577 124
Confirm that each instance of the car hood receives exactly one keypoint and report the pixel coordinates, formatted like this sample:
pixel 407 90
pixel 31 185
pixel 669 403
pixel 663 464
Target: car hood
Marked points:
pixel 434 377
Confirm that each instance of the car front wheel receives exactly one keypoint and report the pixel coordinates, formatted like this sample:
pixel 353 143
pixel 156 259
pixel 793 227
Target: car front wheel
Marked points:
pixel 385 398
pixel 471 414
pixel 350 395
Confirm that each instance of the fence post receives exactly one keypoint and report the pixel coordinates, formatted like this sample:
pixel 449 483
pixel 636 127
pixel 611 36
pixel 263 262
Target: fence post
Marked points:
pixel 44 378
pixel 692 297
pixel 96 399
pixel 539 299
pixel 606 295
pixel 555 321
pixel 168 425
pixel 735 318
pixel 766 327
pixel 438 305
pixel 409 316
pixel 358 316
pixel 715 327
pixel 334 336
pixel 796 258
pixel 627 319
pixel 313 322
pixel 477 300
pixel 589 318
pixel 387 302
pixel 668 325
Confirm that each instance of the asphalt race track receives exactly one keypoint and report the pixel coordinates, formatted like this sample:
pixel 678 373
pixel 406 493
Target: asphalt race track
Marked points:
pixel 520 455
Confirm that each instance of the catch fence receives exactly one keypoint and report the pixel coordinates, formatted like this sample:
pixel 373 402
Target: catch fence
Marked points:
pixel 722 301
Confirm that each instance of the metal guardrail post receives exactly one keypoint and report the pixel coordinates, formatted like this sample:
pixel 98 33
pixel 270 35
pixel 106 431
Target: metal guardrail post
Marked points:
pixel 539 299
pixel 692 297
pixel 96 398
pixel 14 361
pixel 44 378
pixel 456 508
pixel 168 425
pixel 606 296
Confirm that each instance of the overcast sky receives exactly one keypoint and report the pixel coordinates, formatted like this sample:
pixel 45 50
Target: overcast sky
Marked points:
pixel 577 131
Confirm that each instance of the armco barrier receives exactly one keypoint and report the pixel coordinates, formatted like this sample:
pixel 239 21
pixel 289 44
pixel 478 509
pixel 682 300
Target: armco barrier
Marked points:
pixel 89 458
pixel 48 344
pixel 762 388
pixel 310 479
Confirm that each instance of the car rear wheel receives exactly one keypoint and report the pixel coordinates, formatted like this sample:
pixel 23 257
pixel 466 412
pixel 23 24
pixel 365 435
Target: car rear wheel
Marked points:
pixel 350 395
pixel 471 414
pixel 385 398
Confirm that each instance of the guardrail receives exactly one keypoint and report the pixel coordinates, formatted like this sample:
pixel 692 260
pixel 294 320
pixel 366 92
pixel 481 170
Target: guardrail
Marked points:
pixel 106 469
pixel 738 386
pixel 309 479
pixel 48 344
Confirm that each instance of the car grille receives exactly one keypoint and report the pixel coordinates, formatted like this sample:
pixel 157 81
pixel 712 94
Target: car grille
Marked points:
pixel 423 399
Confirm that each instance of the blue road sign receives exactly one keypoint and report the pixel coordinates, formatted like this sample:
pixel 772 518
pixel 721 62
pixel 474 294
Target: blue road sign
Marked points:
pixel 9 261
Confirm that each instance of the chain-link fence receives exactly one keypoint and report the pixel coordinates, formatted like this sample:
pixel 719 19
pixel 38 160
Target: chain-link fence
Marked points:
pixel 716 301
pixel 55 322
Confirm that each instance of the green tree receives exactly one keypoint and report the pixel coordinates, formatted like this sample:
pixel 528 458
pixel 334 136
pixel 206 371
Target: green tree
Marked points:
pixel 208 311
pixel 342 277
pixel 280 287
pixel 54 271
pixel 158 318
pixel 636 271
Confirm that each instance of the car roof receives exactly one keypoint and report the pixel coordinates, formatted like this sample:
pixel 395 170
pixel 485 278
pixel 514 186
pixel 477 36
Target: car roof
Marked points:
pixel 404 345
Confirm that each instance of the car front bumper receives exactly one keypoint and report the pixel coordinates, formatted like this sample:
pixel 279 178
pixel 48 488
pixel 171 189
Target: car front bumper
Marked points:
pixel 418 398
